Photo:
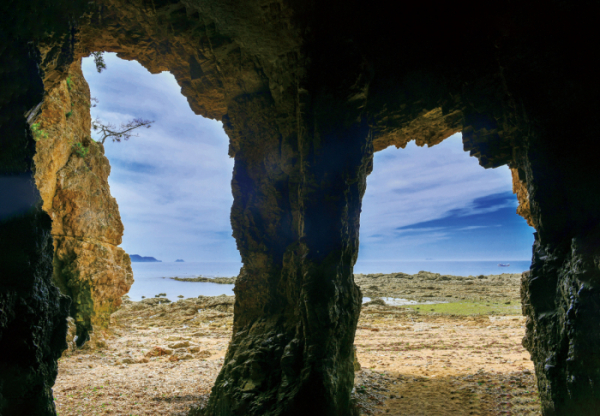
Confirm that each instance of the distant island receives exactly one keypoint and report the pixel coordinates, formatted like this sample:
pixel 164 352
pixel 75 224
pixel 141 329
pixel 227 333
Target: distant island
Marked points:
pixel 179 261
pixel 221 280
pixel 136 258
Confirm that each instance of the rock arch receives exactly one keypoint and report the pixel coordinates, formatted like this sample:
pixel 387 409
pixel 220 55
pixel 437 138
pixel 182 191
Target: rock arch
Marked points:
pixel 307 92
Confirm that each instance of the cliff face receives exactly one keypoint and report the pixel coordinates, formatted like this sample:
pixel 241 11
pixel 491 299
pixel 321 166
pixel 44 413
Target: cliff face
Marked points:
pixel 520 189
pixel 72 176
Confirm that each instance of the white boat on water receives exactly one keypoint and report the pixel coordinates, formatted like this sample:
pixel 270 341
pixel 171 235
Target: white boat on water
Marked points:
pixel 503 264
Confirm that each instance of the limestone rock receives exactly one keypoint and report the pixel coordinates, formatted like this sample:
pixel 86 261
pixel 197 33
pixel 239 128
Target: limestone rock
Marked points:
pixel 357 366
pixel 33 316
pixel 184 356
pixel 179 344
pixel 520 189
pixel 72 175
pixel 429 129
pixel 158 351
pixel 71 334
pixel 203 354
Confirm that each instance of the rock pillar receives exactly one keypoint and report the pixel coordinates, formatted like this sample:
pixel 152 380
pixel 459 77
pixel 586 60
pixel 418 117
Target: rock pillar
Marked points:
pixel 298 183
pixel 33 312
pixel 72 176
pixel 561 292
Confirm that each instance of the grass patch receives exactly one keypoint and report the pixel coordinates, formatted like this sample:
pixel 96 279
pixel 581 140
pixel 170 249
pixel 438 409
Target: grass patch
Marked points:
pixel 469 308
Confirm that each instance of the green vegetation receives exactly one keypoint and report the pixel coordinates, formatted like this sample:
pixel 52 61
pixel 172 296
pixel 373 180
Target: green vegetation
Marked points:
pixel 69 83
pixel 70 113
pixel 99 61
pixel 80 150
pixel 37 132
pixel 469 308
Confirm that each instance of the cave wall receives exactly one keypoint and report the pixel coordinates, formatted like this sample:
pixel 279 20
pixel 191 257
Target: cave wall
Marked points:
pixel 33 312
pixel 72 177
pixel 306 92
pixel 550 107
pixel 33 315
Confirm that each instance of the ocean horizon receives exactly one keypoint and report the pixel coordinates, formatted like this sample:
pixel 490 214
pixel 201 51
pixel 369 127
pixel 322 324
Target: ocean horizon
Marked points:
pixel 153 278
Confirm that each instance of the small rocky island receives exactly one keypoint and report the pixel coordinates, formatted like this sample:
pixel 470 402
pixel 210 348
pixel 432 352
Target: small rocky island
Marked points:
pixel 136 258
pixel 221 280
pixel 179 261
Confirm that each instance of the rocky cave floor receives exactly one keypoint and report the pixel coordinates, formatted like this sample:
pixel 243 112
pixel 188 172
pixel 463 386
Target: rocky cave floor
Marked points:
pixel 463 357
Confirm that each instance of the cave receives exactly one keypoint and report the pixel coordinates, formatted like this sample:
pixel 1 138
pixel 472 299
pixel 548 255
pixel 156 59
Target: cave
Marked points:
pixel 307 92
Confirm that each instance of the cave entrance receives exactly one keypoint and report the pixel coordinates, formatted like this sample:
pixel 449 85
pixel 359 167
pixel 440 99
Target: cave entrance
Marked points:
pixel 441 255
pixel 172 185
pixel 299 86
pixel 436 203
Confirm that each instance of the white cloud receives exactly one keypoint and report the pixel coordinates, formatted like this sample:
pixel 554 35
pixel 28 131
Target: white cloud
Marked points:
pixel 417 184
pixel 172 183
pixel 476 227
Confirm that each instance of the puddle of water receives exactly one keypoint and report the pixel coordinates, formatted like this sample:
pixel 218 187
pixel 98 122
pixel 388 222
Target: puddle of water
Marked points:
pixel 402 302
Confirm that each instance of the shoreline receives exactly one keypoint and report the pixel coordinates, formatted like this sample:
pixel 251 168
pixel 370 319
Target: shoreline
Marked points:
pixel 161 357
pixel 402 289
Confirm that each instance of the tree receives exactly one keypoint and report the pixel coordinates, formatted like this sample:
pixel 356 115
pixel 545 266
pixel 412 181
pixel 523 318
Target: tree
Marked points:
pixel 124 132
pixel 108 130
pixel 99 61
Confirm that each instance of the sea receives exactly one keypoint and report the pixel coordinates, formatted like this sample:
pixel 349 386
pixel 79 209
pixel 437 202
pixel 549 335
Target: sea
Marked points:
pixel 153 278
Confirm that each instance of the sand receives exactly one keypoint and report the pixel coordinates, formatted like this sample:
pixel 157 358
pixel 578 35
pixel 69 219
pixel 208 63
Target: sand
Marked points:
pixel 160 359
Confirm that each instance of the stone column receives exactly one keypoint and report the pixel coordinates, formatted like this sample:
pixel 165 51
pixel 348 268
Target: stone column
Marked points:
pixel 561 292
pixel 298 183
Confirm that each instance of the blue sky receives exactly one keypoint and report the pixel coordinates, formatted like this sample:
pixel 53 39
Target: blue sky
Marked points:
pixel 172 185
pixel 439 203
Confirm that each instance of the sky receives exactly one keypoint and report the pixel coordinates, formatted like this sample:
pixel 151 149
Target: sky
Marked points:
pixel 172 185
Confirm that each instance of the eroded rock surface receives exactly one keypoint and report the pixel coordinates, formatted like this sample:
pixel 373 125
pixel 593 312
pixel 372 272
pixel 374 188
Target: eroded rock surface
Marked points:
pixel 562 303
pixel 520 189
pixel 427 286
pixel 33 316
pixel 72 176
pixel 305 90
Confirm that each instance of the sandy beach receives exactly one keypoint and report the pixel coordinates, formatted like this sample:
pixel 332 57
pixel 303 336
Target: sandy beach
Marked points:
pixel 461 357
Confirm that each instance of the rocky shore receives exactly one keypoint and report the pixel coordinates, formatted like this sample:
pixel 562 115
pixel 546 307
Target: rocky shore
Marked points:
pixel 423 286
pixel 427 286
pixel 162 357
pixel 221 280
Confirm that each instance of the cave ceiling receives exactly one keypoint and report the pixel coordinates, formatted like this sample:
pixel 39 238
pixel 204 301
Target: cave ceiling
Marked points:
pixel 306 92
pixel 411 78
